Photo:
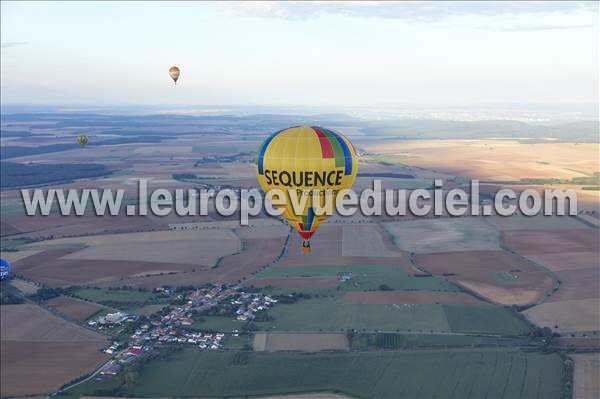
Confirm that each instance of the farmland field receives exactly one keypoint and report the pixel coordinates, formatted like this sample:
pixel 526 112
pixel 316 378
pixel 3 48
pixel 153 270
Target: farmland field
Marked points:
pixel 444 235
pixel 41 352
pixel 553 241
pixel 217 323
pixel 479 272
pixel 367 240
pixel 50 268
pixel 195 247
pixel 466 374
pixel 487 159
pixel 412 297
pixel 328 248
pixel 256 254
pixel 99 295
pixel 587 368
pixel 567 315
pixel 333 314
pixel 305 342
pixel 73 308
pixel 362 277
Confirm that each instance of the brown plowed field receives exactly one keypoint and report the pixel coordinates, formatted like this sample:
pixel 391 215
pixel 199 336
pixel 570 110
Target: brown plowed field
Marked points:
pixel 418 297
pixel 257 254
pixel 73 308
pixel 48 268
pixel 483 271
pixel 61 226
pixel 538 222
pixel 552 241
pixel 36 368
pixel 7 229
pixel 567 260
pixel 41 352
pixel 569 316
pixel 578 284
pixel 295 282
pixel 32 323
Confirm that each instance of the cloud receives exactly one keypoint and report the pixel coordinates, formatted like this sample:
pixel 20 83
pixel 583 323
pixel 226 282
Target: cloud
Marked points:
pixel 12 44
pixel 410 11
pixel 521 28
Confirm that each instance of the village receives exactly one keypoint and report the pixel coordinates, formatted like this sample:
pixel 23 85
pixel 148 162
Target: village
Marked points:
pixel 174 326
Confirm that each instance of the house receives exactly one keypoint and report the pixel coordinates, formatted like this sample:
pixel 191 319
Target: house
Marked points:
pixel 134 352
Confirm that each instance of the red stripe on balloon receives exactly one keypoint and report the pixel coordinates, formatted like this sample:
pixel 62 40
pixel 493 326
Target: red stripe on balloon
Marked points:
pixel 326 148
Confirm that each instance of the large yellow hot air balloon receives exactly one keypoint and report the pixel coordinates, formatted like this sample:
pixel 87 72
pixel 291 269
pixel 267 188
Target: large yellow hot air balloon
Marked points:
pixel 305 159
pixel 174 73
pixel 82 140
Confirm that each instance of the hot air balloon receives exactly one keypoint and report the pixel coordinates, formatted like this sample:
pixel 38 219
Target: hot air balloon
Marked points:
pixel 82 140
pixel 5 269
pixel 306 158
pixel 174 73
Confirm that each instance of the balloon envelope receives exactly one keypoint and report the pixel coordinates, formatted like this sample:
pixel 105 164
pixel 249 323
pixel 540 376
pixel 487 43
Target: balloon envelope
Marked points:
pixel 174 73
pixel 310 159
pixel 82 140
pixel 5 269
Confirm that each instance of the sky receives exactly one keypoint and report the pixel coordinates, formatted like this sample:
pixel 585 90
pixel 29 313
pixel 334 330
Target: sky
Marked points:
pixel 300 53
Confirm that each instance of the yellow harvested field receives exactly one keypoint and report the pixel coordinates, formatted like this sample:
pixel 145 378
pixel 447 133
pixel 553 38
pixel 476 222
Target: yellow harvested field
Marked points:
pixel 569 315
pixel 444 235
pixel 496 159
pixel 16 256
pixel 366 240
pixel 192 247
pixel 587 372
pixel 25 287
pixel 501 294
pixel 304 342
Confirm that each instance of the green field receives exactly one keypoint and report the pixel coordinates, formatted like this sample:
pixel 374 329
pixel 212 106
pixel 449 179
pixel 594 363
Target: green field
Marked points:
pixel 494 320
pixel 240 342
pixel 506 277
pixel 364 277
pixel 407 374
pixel 217 324
pixel 397 341
pixel 332 314
pixel 126 300
pixel 13 245
pixel 100 295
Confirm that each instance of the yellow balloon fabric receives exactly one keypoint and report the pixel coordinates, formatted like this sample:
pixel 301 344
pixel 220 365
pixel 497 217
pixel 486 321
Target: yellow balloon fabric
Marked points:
pixel 306 159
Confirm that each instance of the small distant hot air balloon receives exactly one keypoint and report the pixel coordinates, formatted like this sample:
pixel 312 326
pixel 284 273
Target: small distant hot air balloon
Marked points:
pixel 5 269
pixel 82 140
pixel 306 158
pixel 174 73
